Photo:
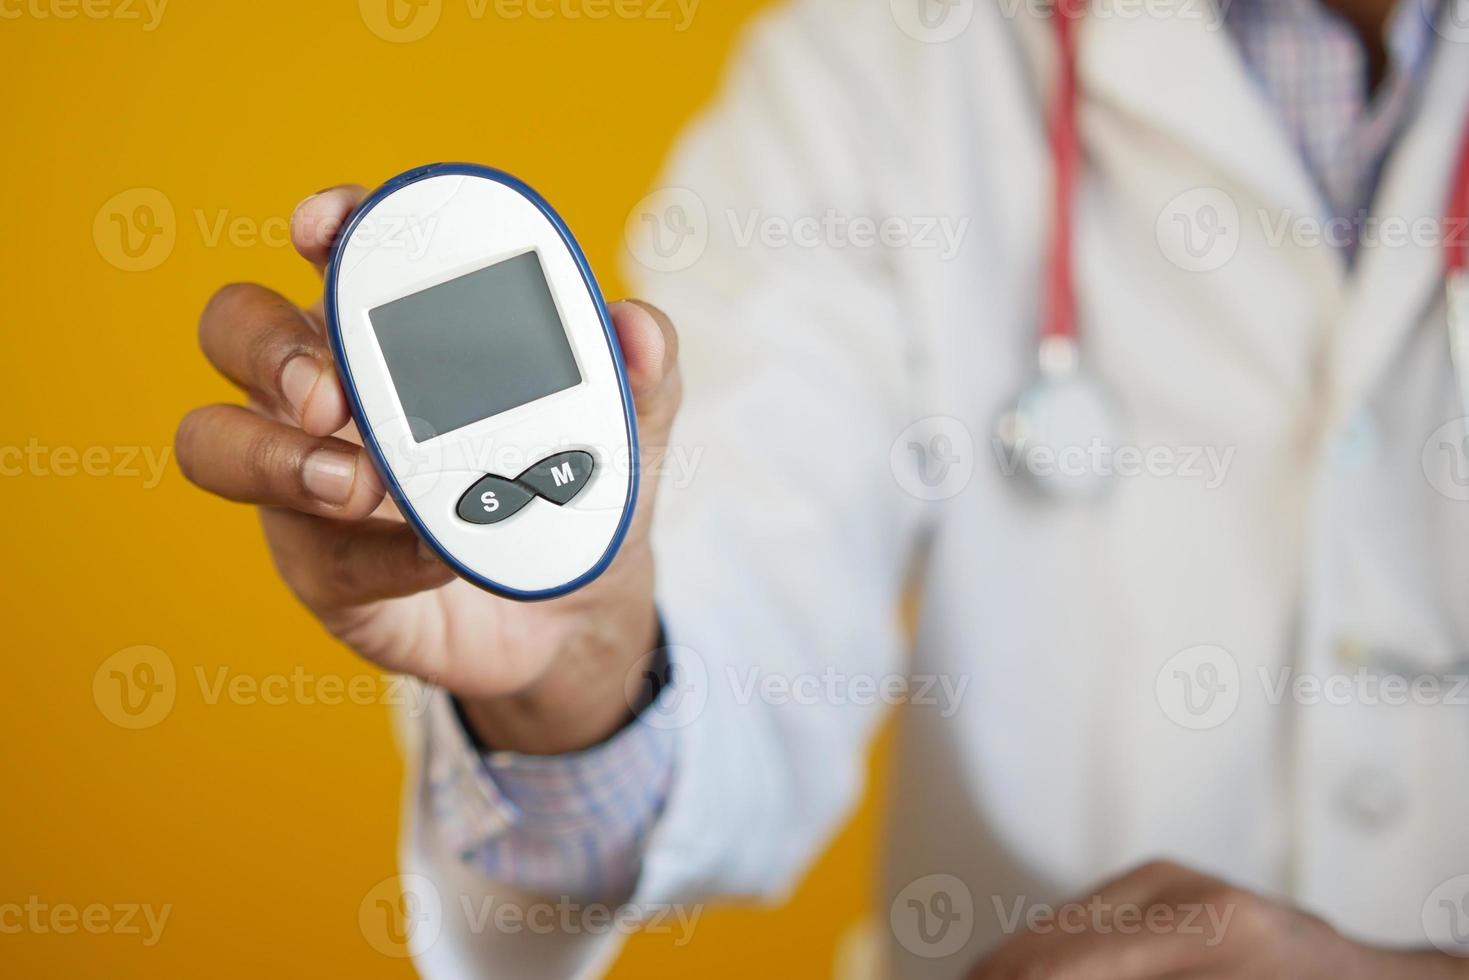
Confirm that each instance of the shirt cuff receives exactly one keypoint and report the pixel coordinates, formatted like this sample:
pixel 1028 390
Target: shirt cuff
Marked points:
pixel 572 823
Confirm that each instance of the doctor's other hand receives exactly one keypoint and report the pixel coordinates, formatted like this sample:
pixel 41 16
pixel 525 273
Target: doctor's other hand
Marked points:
pixel 1166 921
pixel 541 677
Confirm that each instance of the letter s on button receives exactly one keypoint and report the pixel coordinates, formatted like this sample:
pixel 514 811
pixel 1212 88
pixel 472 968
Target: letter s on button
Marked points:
pixel 492 499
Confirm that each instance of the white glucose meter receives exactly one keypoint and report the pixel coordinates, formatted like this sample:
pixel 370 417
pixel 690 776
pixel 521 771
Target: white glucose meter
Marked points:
pixel 485 378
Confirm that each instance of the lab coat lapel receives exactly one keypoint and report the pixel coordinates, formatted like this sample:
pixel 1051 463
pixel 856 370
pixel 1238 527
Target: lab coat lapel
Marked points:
pixel 1399 283
pixel 1182 74
pixel 1170 111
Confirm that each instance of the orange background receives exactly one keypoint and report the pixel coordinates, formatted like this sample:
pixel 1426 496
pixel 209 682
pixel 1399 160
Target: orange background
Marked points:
pixel 260 825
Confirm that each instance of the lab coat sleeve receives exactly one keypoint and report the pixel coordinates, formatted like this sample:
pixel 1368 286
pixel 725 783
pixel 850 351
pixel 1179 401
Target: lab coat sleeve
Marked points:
pixel 782 535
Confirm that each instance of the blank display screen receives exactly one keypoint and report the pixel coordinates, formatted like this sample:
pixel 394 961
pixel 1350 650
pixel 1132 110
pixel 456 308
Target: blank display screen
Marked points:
pixel 475 346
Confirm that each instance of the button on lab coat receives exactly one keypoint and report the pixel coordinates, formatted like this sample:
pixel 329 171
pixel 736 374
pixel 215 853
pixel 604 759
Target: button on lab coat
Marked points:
pixel 1120 662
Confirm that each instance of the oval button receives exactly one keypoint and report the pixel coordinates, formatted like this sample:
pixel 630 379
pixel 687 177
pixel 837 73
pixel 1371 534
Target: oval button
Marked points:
pixel 492 499
pixel 559 478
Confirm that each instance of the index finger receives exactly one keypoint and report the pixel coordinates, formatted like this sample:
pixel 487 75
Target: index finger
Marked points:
pixel 318 220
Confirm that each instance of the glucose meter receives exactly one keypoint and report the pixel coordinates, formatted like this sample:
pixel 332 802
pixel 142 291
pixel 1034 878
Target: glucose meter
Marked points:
pixel 485 378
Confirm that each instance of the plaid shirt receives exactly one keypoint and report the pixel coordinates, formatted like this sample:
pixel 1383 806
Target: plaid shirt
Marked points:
pixel 576 825
pixel 1314 69
pixel 570 825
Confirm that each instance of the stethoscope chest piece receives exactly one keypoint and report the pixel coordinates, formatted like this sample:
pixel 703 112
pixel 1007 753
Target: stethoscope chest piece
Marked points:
pixel 1060 434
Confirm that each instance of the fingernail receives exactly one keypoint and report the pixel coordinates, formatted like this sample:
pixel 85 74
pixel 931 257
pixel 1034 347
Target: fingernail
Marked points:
pixel 329 475
pixel 311 197
pixel 296 211
pixel 298 381
pixel 425 553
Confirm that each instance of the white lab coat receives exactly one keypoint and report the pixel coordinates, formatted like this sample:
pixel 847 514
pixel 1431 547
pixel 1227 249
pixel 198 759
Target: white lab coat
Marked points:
pixel 1334 538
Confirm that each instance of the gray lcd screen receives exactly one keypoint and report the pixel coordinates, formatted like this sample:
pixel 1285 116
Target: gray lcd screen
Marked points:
pixel 475 346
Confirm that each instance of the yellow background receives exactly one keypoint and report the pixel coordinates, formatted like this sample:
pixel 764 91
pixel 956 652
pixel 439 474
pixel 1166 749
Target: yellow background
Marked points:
pixel 262 826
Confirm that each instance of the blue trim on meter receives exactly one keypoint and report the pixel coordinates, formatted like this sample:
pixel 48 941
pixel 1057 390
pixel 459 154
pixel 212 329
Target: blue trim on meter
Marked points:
pixel 369 438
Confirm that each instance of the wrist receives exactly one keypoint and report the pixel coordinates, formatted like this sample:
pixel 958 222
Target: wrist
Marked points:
pixel 582 699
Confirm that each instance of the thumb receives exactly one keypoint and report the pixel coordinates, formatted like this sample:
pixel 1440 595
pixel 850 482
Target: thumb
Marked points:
pixel 318 220
pixel 650 354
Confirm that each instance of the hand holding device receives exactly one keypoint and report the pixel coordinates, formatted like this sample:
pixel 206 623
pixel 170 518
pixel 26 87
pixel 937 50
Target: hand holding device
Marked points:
pixel 537 677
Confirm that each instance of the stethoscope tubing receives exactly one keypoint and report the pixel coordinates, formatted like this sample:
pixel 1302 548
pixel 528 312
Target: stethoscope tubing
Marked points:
pixel 1059 344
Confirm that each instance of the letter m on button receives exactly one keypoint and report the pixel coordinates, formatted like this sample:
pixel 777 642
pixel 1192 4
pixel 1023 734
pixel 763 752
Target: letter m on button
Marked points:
pixel 557 478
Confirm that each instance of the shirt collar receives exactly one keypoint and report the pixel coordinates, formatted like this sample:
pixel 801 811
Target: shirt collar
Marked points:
pixel 1409 35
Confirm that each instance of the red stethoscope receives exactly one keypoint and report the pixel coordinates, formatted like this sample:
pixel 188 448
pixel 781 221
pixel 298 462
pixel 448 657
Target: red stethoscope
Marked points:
pixel 1063 425
pixel 1456 274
